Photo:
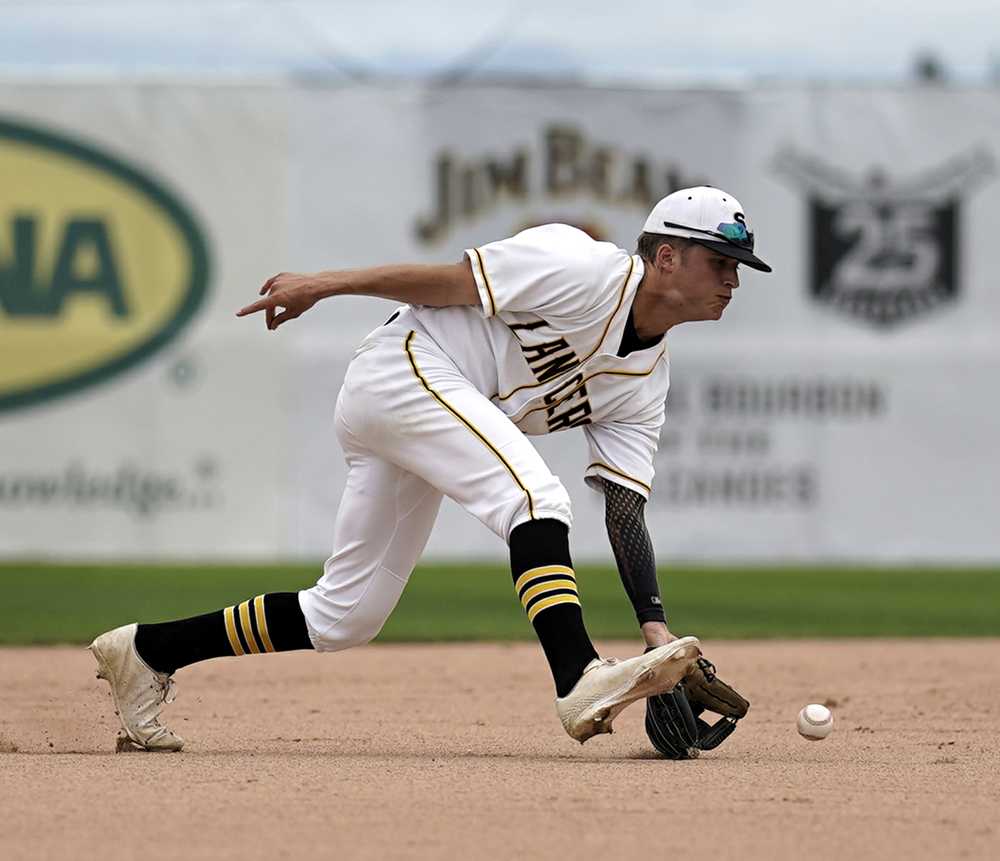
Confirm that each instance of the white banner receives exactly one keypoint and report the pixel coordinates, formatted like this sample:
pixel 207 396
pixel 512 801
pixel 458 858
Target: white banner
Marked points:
pixel 844 409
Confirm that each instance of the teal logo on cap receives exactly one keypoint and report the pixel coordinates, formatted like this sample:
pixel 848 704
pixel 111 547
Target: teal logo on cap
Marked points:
pixel 736 232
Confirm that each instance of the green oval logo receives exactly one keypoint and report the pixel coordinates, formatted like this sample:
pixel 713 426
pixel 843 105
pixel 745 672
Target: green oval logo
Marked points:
pixel 100 265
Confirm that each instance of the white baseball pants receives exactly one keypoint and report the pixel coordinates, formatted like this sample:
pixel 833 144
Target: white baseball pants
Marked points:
pixel 414 429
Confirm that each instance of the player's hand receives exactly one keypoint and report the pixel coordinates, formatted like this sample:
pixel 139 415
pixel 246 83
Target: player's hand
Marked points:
pixel 656 634
pixel 292 292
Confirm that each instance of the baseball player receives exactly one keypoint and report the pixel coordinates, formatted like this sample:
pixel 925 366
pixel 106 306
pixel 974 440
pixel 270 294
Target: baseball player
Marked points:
pixel 545 331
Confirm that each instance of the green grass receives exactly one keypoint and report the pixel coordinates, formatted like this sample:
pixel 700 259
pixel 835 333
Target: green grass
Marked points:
pixel 44 603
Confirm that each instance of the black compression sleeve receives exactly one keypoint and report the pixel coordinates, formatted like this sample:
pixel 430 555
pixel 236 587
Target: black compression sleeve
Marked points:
pixel 623 514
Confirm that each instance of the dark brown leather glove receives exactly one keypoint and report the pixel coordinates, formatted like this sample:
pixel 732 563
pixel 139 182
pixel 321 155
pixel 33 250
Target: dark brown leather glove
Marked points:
pixel 674 721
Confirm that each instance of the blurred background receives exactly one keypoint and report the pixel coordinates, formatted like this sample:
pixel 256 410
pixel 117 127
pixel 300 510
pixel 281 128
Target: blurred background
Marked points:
pixel 158 161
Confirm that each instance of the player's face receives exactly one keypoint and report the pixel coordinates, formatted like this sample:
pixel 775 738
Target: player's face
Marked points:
pixel 709 280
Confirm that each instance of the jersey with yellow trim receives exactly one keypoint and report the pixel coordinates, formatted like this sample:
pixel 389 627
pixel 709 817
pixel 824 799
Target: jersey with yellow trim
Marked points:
pixel 543 345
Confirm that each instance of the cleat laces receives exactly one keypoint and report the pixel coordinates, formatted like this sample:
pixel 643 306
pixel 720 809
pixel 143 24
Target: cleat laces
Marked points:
pixel 168 690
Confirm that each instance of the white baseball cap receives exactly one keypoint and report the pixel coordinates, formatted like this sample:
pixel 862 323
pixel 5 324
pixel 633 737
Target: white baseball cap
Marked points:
pixel 710 217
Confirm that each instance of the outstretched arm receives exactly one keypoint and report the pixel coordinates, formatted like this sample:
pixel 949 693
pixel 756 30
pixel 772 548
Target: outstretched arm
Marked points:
pixel 437 285
pixel 623 514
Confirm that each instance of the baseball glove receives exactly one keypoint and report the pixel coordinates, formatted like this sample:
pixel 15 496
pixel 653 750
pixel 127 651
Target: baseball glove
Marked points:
pixel 673 720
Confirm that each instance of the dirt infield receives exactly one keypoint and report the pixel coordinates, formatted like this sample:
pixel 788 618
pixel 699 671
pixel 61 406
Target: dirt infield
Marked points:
pixel 455 751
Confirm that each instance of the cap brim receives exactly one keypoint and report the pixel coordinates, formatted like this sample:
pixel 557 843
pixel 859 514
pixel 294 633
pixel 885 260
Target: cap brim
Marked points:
pixel 744 255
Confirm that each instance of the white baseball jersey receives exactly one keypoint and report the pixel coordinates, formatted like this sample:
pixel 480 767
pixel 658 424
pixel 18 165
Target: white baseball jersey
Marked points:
pixel 543 346
pixel 437 403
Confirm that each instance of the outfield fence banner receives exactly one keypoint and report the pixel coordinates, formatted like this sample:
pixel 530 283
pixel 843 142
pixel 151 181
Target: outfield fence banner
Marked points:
pixel 845 409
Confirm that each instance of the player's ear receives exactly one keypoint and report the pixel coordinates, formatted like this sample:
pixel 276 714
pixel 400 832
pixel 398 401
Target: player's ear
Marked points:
pixel 667 257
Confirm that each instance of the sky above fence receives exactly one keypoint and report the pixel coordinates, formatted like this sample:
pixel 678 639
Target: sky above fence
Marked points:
pixel 641 41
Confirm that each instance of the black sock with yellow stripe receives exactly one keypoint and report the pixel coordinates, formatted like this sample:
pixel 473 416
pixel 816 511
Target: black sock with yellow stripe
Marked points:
pixel 267 623
pixel 545 583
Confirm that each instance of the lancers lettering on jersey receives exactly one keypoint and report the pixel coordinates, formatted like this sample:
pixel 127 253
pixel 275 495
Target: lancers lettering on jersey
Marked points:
pixel 550 359
pixel 567 405
pixel 568 410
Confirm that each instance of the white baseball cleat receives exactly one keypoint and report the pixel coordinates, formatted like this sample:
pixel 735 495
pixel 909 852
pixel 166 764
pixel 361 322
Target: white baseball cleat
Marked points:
pixel 608 686
pixel 138 691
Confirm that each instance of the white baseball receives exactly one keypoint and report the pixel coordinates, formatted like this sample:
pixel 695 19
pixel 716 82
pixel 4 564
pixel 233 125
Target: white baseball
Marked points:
pixel 815 722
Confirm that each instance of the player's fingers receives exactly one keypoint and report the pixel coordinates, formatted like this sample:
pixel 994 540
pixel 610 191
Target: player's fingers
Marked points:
pixel 267 285
pixel 254 307
pixel 283 317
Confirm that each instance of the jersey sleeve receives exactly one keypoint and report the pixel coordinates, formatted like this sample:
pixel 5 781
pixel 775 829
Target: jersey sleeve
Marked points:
pixel 554 270
pixel 623 453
